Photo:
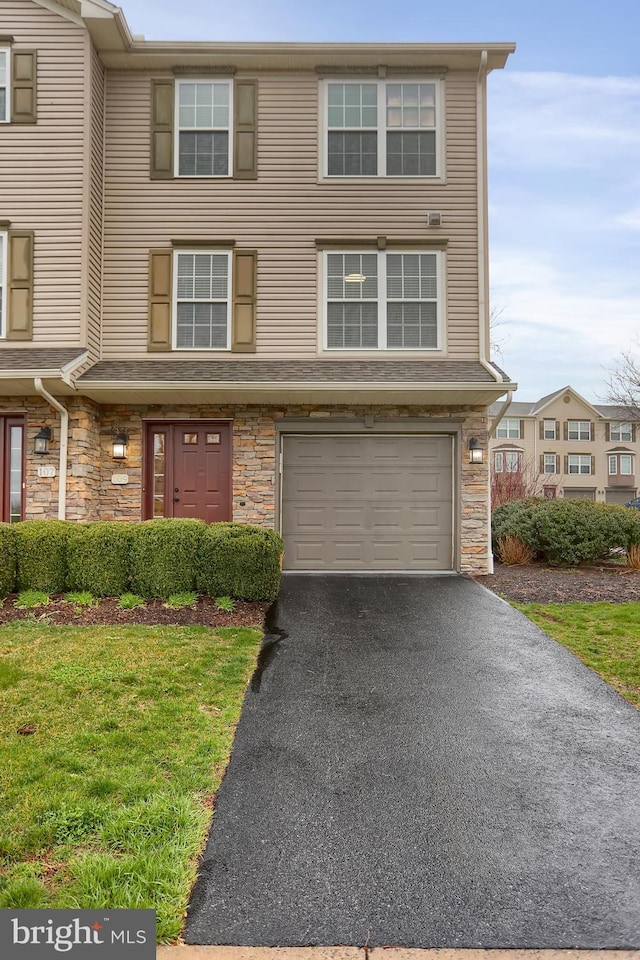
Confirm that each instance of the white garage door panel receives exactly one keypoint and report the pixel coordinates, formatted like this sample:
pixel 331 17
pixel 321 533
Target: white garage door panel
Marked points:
pixel 367 503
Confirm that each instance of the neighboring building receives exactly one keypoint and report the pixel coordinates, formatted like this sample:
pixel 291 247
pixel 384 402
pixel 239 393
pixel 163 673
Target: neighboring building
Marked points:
pixel 572 448
pixel 262 268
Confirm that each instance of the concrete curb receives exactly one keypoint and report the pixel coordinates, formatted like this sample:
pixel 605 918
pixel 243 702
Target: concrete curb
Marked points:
pixel 381 953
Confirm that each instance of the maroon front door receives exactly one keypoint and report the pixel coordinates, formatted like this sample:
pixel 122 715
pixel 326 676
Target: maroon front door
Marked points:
pixel 12 455
pixel 188 470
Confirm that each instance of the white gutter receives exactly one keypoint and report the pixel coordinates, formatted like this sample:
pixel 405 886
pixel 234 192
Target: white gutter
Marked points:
pixel 270 385
pixel 64 445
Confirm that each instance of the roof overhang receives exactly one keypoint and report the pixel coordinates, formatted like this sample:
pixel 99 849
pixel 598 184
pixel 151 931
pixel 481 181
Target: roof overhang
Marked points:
pixel 414 394
pixel 17 379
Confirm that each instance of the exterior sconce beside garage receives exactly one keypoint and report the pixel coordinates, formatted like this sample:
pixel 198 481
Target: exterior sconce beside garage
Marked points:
pixel 41 440
pixel 476 454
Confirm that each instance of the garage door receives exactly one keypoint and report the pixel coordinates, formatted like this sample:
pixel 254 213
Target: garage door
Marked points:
pixel 367 502
pixel 620 494
pixel 579 493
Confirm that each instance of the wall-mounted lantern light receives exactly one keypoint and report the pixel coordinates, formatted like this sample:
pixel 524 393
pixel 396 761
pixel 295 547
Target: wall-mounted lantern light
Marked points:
pixel 475 451
pixel 119 447
pixel 41 440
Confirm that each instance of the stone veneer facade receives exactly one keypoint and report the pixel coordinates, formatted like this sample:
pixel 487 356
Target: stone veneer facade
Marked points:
pixel 91 495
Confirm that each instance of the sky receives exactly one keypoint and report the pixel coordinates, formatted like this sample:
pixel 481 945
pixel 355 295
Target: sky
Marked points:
pixel 564 157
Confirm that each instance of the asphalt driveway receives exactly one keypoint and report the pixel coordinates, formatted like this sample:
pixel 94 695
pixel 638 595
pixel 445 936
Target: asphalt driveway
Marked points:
pixel 418 765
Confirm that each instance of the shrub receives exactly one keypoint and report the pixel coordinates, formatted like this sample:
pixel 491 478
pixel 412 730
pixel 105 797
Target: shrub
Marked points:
pixel 568 531
pixel 512 550
pixel 239 560
pixel 164 556
pixel 7 559
pixel 98 557
pixel 41 553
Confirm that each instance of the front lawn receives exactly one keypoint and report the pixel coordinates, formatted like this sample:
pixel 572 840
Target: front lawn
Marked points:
pixel 113 742
pixel 605 636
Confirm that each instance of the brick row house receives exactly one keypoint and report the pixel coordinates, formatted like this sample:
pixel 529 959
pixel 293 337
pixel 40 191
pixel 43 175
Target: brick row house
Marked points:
pixel 567 446
pixel 247 281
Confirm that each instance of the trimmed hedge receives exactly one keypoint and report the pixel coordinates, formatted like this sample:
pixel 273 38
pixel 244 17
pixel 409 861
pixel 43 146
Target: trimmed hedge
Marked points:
pixel 155 558
pixel 164 556
pixel 567 531
pixel 98 557
pixel 7 559
pixel 240 560
pixel 41 553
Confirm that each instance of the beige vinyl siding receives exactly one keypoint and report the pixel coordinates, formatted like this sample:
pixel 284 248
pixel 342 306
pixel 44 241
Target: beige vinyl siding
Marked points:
pixel 280 214
pixel 41 180
pixel 94 299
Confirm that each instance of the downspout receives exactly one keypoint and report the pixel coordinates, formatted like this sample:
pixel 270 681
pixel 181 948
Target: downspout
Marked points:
pixel 500 414
pixel 64 445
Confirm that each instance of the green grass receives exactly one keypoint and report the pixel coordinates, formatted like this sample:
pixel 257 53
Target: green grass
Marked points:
pixel 225 603
pixel 107 803
pixel 605 636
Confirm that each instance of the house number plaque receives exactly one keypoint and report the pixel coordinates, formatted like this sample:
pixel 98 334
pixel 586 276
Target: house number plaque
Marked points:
pixel 119 478
pixel 46 471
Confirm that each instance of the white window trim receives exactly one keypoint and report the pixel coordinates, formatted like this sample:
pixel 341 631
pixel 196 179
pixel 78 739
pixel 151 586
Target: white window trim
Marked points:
pixel 579 439
pixel 323 139
pixel 4 259
pixel 551 431
pixel 579 471
pixel 382 304
pixel 174 298
pixel 618 426
pixel 555 463
pixel 629 472
pixel 507 435
pixel 5 48
pixel 178 129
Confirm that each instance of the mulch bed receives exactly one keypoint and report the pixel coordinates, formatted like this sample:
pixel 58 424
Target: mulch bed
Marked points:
pixel 540 583
pixel 204 612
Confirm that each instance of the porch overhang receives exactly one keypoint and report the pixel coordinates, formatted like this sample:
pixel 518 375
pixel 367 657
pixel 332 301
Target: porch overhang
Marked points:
pixel 416 383
pixel 19 367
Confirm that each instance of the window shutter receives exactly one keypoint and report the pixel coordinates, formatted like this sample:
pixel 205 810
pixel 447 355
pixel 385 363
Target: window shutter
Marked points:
pixel 20 285
pixel 160 268
pixel 243 332
pixel 161 129
pixel 542 429
pixel 557 429
pixel 521 429
pixel 542 463
pixel 245 152
pixel 566 464
pixel 566 429
pixel 607 432
pixel 592 430
pixel 593 464
pixel 633 433
pixel 23 86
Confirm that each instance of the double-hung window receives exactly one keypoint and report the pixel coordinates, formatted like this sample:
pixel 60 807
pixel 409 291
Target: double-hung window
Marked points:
pixel 5 91
pixel 382 128
pixel 508 428
pixel 204 111
pixel 382 300
pixel 550 463
pixel 549 430
pixel 202 300
pixel 621 431
pixel 579 430
pixel 507 461
pixel 579 463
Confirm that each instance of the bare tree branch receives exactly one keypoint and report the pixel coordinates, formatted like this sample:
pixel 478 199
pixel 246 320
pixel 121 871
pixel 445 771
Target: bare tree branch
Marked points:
pixel 623 385
pixel 498 337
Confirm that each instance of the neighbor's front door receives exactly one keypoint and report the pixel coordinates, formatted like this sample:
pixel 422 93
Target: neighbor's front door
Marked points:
pixel 188 470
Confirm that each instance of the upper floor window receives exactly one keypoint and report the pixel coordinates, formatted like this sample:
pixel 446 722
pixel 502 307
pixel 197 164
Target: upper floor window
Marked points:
pixel 621 431
pixel 509 428
pixel 579 463
pixel 203 123
pixel 5 58
pixel 382 300
pixel 202 306
pixel 550 463
pixel 621 463
pixel 579 430
pixel 382 128
pixel 549 430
